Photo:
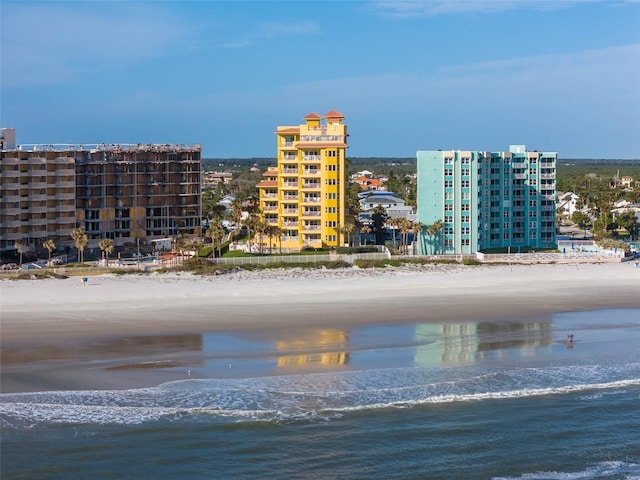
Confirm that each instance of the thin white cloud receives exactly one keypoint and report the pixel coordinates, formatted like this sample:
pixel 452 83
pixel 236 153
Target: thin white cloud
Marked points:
pixel 273 30
pixel 420 8
pixel 47 44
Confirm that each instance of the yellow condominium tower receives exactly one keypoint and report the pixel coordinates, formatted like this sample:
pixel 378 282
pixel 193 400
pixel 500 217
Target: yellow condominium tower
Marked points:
pixel 304 197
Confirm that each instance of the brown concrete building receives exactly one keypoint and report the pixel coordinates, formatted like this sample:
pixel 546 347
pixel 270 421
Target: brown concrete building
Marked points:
pixel 122 192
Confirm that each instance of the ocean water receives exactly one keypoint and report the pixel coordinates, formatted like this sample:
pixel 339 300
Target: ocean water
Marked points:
pixel 478 400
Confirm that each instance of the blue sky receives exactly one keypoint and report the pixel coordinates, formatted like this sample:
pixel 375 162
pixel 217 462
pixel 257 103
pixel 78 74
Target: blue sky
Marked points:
pixel 408 75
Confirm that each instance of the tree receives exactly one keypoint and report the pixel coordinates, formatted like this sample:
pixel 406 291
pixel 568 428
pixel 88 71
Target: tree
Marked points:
pixel 431 231
pixel 20 249
pixel 629 221
pixel 81 241
pixel 417 234
pixel 50 246
pixel 106 246
pixel 438 226
pixel 582 220
pixel 216 233
pixel 379 219
pixel 366 230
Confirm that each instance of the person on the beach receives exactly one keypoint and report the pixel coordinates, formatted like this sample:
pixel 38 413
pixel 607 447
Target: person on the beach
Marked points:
pixel 570 337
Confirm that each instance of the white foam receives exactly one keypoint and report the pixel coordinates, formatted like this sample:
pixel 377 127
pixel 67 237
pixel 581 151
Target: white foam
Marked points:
pixel 324 395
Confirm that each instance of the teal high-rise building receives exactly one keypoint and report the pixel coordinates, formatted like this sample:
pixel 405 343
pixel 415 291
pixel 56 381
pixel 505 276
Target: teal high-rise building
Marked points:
pixel 486 200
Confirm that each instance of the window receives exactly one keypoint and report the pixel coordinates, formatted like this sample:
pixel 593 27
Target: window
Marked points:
pixel 465 161
pixel 332 168
pixel 448 160
pixel 448 183
pixel 464 231
pixel 464 183
pixel 332 153
pixel 448 230
pixel 465 207
pixel 448 195
pixel 465 219
pixel 465 242
pixel 448 207
pixel 331 181
pixel 466 196
pixel 332 196
pixel 465 171
pixel 505 236
pixel 533 203
pixel 505 214
pixel 331 224
pixel 505 226
pixel 448 219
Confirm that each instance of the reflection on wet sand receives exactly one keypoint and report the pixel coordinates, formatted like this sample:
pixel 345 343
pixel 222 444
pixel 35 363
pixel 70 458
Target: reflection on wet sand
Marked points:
pixel 314 340
pixel 470 342
pixel 115 348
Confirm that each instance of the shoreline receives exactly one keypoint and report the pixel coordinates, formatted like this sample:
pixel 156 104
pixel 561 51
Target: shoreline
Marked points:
pixel 57 323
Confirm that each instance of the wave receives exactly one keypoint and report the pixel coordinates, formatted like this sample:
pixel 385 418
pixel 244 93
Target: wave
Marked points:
pixel 613 469
pixel 311 396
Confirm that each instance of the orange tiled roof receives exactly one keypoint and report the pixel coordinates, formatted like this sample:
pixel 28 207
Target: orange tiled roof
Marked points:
pixel 288 130
pixel 333 114
pixel 312 116
pixel 267 183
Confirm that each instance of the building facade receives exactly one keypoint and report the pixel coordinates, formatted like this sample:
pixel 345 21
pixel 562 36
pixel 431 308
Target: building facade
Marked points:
pixel 486 200
pixel 128 193
pixel 304 196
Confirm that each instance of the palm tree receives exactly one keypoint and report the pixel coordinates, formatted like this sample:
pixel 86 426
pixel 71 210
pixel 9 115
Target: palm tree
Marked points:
pixel 431 231
pixel 81 241
pixel 366 230
pixel 50 246
pixel 106 246
pixel 348 229
pixel 216 234
pixel 404 224
pixel 417 233
pixel 20 249
pixel 438 226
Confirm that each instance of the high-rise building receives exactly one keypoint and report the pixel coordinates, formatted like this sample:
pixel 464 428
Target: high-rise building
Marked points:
pixel 486 200
pixel 304 196
pixel 123 192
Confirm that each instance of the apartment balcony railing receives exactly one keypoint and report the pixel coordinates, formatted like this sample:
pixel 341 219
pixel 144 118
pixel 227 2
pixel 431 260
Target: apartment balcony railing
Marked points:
pixel 312 228
pixel 290 198
pixel 290 224
pixel 311 199
pixel 311 158
pixel 311 214
pixel 289 171
pixel 270 208
pixel 290 211
pixel 269 195
pixel 312 172
pixel 290 184
pixel 311 186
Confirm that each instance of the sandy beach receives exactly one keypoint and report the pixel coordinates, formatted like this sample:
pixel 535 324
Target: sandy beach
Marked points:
pixel 54 326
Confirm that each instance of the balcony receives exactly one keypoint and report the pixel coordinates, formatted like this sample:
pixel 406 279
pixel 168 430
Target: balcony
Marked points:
pixel 290 224
pixel 311 158
pixel 314 171
pixel 289 171
pixel 311 200
pixel 311 213
pixel 290 198
pixel 290 212
pixel 289 184
pixel 270 208
pixel 311 228
pixel 311 186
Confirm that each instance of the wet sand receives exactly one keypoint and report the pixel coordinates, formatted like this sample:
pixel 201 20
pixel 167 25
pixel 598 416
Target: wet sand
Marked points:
pixel 142 330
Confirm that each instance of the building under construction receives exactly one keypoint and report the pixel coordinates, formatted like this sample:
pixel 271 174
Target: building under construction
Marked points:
pixel 128 193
